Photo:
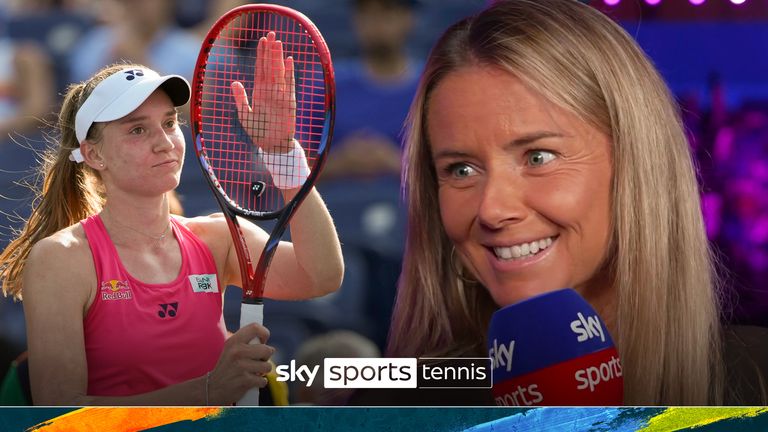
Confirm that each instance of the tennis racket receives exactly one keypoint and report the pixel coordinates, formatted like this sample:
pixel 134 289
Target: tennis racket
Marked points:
pixel 263 94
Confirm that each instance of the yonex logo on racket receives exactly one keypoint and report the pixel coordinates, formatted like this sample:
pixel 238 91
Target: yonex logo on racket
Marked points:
pixel 133 73
pixel 257 188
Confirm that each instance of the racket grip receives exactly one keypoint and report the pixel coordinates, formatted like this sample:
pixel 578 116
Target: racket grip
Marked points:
pixel 251 313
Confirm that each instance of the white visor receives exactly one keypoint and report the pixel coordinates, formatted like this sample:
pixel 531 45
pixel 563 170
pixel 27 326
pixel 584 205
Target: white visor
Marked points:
pixel 120 94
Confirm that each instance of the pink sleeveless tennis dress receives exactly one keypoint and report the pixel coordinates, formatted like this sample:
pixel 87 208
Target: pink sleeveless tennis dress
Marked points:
pixel 141 337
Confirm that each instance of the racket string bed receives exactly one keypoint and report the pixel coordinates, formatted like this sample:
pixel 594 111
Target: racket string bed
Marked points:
pixel 235 160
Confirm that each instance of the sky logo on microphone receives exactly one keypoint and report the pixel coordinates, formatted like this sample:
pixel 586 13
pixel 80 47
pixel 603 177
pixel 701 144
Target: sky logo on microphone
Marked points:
pixel 587 328
pixel 501 355
pixel 566 358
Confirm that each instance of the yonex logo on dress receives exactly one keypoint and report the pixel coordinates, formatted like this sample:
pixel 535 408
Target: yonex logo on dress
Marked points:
pixel 168 309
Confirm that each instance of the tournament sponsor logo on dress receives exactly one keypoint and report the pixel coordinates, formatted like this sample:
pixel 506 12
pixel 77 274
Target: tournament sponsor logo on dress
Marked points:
pixel 115 290
pixel 205 283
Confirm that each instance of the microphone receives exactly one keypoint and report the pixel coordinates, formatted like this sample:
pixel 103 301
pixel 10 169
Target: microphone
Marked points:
pixel 553 349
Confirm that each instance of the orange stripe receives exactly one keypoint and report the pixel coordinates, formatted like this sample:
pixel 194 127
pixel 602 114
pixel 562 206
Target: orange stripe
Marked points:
pixel 122 419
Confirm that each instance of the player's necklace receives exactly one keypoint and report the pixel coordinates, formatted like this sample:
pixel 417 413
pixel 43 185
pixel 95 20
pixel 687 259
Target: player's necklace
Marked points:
pixel 157 238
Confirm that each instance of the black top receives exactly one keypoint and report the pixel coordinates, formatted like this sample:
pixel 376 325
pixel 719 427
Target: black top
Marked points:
pixel 746 365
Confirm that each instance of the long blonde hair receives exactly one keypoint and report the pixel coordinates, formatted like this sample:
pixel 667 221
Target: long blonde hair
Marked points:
pixel 658 258
pixel 69 191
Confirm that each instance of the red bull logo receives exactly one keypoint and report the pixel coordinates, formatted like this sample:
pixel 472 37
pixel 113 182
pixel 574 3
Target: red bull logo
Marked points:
pixel 115 290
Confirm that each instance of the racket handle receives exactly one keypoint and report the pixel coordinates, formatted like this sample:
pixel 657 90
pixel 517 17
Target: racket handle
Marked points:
pixel 251 313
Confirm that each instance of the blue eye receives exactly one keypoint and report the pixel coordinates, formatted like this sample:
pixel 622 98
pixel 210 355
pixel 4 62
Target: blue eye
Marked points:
pixel 461 170
pixel 539 157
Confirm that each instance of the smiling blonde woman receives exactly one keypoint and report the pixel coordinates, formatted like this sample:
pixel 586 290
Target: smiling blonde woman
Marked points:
pixel 544 151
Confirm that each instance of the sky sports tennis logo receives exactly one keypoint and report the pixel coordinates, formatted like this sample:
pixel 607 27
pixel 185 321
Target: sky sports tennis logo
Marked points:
pixel 391 373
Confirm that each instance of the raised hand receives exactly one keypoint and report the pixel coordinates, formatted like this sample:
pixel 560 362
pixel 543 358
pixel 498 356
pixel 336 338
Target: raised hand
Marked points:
pixel 270 118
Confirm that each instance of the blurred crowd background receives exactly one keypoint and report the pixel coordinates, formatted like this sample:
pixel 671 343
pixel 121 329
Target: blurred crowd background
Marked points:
pixel 712 55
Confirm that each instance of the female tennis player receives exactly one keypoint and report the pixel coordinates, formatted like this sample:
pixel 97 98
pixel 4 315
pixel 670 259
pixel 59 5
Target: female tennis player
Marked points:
pixel 123 301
